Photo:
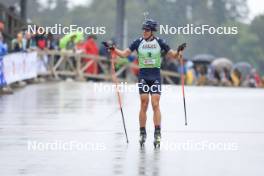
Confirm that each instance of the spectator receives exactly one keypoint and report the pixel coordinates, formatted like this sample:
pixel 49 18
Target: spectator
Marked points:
pixel 18 44
pixel 2 27
pixel 190 74
pixel 3 47
pixel 202 78
pixel 29 44
pixel 103 51
pixel 51 42
pixel 225 77
pixel 71 44
pixel 40 39
pixel 90 47
pixel 254 79
pixel 236 77
pixel 69 41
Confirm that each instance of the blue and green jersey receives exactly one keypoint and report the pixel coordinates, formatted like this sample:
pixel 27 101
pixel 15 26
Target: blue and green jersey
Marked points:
pixel 149 56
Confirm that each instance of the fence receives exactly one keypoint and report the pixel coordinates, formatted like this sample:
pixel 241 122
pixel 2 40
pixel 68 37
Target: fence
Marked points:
pixel 21 66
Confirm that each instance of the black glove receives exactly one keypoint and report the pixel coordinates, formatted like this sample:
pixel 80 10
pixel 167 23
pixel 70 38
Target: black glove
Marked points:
pixel 181 47
pixel 108 45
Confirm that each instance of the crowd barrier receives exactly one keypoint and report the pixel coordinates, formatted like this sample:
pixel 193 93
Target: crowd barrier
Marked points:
pixel 27 65
pixel 21 66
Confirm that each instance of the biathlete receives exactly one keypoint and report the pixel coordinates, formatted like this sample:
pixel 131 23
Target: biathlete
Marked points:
pixel 149 49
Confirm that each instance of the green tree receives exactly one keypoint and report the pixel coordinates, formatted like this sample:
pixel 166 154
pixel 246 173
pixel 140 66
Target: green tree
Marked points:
pixel 257 26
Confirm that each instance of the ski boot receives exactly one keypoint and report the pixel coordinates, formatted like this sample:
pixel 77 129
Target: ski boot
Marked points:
pixel 157 139
pixel 142 137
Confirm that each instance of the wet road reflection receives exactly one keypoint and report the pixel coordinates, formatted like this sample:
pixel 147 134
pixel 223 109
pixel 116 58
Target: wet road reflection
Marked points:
pixel 149 164
pixel 77 131
pixel 119 155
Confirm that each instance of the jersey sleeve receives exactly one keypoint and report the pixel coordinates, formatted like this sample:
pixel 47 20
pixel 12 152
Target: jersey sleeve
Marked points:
pixel 164 46
pixel 134 45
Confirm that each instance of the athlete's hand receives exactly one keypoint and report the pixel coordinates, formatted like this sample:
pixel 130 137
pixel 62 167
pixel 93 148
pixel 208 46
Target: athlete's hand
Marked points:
pixel 180 56
pixel 109 46
pixel 181 47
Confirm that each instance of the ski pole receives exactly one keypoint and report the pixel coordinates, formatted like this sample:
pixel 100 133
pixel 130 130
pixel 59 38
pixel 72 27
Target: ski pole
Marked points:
pixel 182 82
pixel 117 92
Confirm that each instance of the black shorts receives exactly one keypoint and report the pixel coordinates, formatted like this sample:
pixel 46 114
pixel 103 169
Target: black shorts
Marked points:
pixel 149 86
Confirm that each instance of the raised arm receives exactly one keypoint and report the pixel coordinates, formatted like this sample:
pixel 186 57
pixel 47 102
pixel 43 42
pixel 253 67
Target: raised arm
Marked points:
pixel 177 54
pixel 173 54
pixel 122 53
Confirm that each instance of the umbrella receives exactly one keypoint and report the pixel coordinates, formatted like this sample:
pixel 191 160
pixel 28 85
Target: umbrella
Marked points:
pixel 244 68
pixel 189 64
pixel 220 64
pixel 203 58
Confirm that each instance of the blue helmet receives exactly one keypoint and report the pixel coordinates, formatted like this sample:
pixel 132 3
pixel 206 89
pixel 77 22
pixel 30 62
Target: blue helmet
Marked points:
pixel 150 25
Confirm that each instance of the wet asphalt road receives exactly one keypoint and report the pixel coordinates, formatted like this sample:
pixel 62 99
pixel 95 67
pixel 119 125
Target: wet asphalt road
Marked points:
pixel 69 129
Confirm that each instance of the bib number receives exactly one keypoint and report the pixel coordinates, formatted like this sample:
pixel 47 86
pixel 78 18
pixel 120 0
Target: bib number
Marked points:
pixel 149 61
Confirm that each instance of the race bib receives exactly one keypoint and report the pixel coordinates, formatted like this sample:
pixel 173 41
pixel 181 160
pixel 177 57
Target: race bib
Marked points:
pixel 149 61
